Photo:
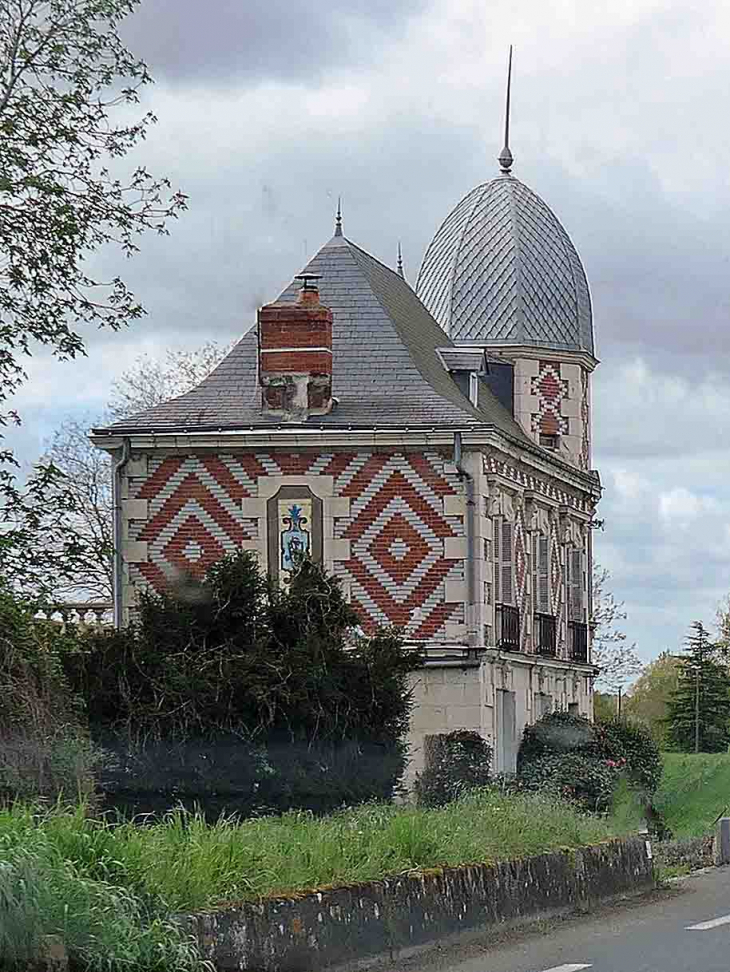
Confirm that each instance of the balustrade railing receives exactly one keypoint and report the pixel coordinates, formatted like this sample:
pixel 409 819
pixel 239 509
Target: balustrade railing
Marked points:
pixel 545 635
pixel 578 641
pixel 97 614
pixel 508 627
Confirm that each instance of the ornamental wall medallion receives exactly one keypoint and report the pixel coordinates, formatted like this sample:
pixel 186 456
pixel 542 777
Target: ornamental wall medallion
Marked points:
pixel 294 517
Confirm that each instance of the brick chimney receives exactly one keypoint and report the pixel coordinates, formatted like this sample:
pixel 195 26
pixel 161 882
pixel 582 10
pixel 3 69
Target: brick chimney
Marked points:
pixel 295 355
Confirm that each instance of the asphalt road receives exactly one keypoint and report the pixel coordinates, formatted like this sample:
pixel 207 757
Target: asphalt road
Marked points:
pixel 686 929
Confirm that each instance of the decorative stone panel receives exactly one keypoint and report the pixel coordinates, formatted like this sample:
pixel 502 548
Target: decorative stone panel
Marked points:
pixel 550 390
pixel 390 524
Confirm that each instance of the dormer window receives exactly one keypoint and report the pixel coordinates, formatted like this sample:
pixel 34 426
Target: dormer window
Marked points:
pixel 466 366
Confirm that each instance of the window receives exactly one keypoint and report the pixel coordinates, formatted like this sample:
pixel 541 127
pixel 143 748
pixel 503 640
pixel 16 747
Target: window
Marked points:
pixel 549 441
pixel 573 708
pixel 487 593
pixel 541 573
pixel 503 585
pixel 473 387
pixel 575 568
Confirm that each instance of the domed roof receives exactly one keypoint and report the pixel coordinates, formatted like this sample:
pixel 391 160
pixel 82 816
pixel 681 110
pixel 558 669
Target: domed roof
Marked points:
pixel 502 270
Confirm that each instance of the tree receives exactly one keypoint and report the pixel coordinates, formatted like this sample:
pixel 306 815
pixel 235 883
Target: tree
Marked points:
pixel 648 698
pixel 698 716
pixel 64 73
pixel 617 660
pixel 149 381
pixel 723 623
pixel 87 471
pixel 247 696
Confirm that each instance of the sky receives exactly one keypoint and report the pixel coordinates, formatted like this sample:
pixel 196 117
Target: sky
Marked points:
pixel 269 111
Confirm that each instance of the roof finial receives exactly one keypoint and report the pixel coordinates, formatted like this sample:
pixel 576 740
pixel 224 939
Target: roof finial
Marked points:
pixel 505 156
pixel 400 261
pixel 338 218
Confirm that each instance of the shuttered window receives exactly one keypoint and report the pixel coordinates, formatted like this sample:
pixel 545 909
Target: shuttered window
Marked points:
pixel 503 553
pixel 575 584
pixel 541 573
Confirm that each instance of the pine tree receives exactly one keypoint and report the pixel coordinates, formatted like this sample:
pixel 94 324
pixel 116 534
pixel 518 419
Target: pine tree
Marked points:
pixel 698 718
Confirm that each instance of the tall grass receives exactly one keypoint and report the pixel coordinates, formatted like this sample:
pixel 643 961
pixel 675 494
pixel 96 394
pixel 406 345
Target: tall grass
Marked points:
pixel 694 792
pixel 184 864
pixel 53 883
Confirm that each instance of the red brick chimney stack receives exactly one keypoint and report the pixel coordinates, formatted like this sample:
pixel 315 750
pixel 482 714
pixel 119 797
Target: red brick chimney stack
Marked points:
pixel 295 360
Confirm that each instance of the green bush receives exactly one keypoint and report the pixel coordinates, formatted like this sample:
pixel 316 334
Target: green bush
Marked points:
pixel 558 732
pixel 584 780
pixel 631 746
pixel 456 763
pixel 45 751
pixel 235 695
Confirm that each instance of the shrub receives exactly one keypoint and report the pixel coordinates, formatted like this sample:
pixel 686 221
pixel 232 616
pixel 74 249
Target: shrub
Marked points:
pixel 44 748
pixel 455 763
pixel 621 740
pixel 584 780
pixel 558 732
pixel 255 698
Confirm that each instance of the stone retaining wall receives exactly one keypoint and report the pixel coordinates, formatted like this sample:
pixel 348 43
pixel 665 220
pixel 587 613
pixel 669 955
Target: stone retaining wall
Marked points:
pixel 691 852
pixel 351 925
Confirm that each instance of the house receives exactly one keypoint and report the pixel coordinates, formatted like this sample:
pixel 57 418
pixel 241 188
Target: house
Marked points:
pixel 432 446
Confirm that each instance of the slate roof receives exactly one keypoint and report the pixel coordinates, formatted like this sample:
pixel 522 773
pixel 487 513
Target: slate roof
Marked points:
pixel 502 270
pixel 386 370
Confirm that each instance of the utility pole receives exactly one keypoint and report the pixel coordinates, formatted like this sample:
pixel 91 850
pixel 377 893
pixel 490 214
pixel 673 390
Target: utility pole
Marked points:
pixel 697 708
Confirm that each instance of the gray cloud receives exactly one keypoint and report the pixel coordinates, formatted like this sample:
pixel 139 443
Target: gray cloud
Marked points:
pixel 212 40
pixel 269 111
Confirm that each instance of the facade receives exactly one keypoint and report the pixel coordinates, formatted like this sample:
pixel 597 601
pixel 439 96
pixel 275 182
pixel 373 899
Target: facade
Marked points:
pixel 431 446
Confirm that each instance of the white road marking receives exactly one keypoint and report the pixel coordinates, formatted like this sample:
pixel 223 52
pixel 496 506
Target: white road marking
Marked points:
pixel 569 968
pixel 705 925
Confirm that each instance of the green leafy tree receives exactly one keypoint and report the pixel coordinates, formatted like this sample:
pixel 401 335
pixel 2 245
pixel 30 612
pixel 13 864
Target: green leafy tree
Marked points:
pixel 648 699
pixel 698 713
pixel 67 87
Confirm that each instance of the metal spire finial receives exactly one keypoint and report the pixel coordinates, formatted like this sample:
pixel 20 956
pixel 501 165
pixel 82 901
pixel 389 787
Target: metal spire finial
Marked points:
pixel 400 261
pixel 505 156
pixel 338 218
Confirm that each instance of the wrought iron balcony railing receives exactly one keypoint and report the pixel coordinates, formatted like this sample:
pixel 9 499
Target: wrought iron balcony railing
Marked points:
pixel 545 632
pixel 508 627
pixel 578 641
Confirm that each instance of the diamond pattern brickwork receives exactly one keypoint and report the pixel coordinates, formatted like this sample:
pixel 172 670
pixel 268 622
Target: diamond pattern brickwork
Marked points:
pixel 550 390
pixel 397 570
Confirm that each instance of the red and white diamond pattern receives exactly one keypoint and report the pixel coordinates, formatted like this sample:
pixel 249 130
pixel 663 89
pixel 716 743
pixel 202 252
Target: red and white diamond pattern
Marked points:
pixel 397 568
pixel 550 390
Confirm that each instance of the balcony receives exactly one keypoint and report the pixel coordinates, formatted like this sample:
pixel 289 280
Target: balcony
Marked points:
pixel 508 627
pixel 545 635
pixel 578 641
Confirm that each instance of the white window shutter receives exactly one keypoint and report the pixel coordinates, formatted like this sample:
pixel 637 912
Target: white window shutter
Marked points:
pixel 497 564
pixel 575 584
pixel 506 580
pixel 543 575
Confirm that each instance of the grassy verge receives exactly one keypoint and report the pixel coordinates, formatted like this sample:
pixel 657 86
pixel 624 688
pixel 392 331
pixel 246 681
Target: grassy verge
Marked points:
pixel 190 864
pixel 694 791
pixel 107 889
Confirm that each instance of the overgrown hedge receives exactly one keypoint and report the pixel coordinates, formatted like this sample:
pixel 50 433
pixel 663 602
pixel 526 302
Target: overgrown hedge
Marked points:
pixel 584 761
pixel 235 695
pixel 457 762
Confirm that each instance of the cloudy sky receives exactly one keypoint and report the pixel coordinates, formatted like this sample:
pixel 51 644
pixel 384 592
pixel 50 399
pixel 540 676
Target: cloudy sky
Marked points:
pixel 269 110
